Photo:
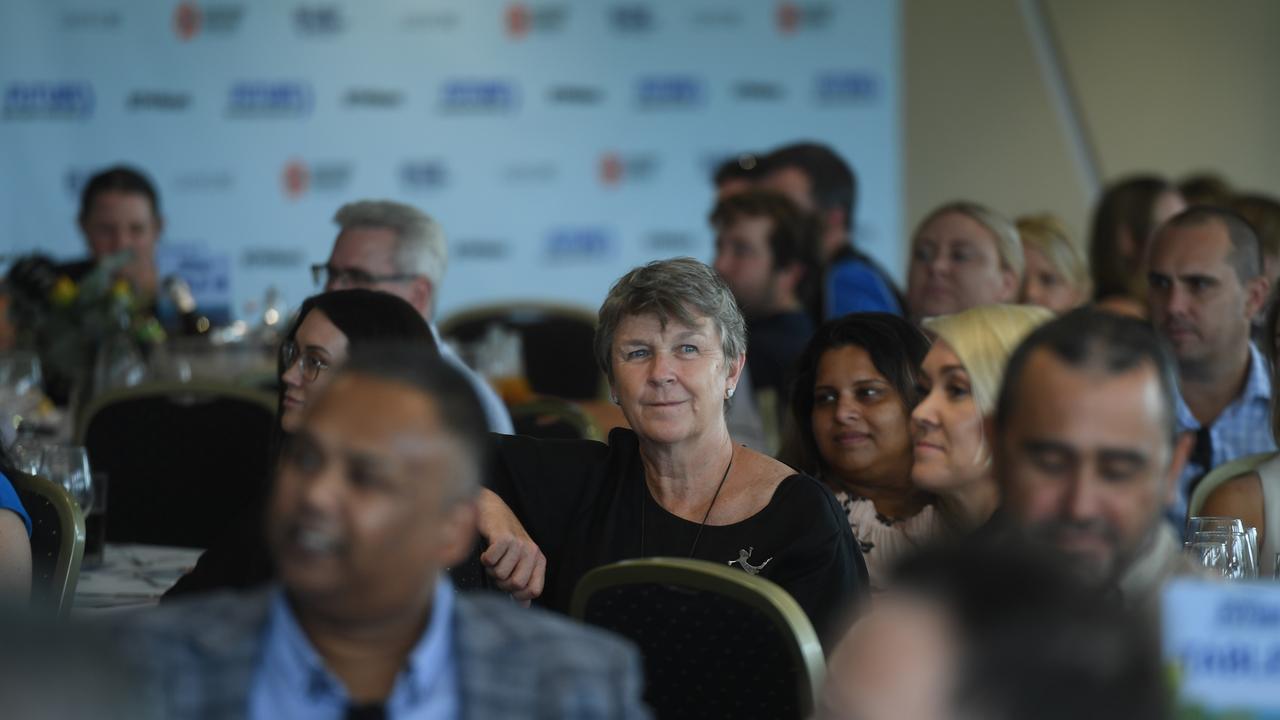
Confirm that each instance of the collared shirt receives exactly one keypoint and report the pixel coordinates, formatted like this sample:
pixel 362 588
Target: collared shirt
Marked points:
pixel 1243 428
pixel 494 409
pixel 291 680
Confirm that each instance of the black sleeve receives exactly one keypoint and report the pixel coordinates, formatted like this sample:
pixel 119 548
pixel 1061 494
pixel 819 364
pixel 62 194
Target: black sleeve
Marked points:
pixel 238 559
pixel 823 569
pixel 548 484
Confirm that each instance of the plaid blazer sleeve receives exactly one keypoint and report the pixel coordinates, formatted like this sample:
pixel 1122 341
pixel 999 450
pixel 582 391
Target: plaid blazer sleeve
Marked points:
pixel 526 663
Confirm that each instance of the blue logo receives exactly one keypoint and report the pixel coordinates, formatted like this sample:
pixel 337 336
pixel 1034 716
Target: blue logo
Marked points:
pixel 579 243
pixel 670 91
pixel 837 88
pixel 494 96
pixel 266 98
pixel 48 101
pixel 631 18
pixel 424 174
pixel 317 20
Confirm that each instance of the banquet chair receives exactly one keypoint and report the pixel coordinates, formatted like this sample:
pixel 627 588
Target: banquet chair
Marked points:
pixel 183 459
pixel 57 542
pixel 716 642
pixel 557 343
pixel 1220 475
pixel 551 418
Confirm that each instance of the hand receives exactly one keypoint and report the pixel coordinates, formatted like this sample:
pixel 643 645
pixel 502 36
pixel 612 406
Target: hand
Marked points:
pixel 512 558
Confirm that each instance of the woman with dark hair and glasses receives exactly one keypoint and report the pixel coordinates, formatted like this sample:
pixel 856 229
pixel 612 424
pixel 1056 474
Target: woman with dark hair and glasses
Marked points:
pixel 851 405
pixel 326 329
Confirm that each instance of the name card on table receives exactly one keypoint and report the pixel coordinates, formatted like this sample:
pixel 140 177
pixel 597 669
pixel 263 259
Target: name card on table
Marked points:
pixel 1225 640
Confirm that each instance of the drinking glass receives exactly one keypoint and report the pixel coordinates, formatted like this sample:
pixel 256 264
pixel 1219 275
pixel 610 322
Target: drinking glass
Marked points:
pixel 68 465
pixel 1238 561
pixel 1214 523
pixel 1211 554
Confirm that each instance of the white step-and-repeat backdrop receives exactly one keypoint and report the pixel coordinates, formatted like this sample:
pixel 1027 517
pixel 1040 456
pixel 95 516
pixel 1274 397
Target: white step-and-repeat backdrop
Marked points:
pixel 559 143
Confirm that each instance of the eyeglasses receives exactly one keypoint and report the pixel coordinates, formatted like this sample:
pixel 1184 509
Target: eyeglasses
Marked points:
pixel 325 275
pixel 311 365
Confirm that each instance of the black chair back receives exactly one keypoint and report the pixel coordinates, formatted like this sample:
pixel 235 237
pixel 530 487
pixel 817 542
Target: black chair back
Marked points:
pixel 183 460
pixel 57 542
pixel 557 342
pixel 719 645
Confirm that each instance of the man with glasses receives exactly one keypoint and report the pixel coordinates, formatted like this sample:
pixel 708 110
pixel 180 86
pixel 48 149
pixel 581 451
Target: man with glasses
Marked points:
pixel 396 248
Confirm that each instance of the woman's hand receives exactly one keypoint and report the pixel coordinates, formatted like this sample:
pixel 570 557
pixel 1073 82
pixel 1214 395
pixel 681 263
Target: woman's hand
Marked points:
pixel 512 558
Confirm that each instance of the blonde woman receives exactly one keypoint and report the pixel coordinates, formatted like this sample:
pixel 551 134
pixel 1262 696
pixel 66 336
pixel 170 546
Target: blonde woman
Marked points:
pixel 960 380
pixel 1057 273
pixel 963 255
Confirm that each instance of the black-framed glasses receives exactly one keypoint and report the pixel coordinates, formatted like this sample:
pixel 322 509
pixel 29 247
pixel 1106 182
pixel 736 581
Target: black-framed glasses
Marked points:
pixel 323 275
pixel 311 363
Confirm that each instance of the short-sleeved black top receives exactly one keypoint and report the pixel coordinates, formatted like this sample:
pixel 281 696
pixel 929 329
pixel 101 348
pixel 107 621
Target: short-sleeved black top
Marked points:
pixel 584 503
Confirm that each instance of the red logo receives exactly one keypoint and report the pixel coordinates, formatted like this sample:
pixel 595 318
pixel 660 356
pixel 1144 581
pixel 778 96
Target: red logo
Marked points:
pixel 519 19
pixel 296 179
pixel 788 17
pixel 611 169
pixel 186 20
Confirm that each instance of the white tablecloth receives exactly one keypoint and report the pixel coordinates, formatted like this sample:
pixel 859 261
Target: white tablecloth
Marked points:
pixel 132 576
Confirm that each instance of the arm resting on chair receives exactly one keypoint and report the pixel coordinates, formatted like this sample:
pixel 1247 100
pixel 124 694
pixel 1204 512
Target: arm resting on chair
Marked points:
pixel 511 557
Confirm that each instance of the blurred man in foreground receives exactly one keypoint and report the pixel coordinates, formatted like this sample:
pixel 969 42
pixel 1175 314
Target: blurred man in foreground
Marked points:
pixel 1087 450
pixel 373 500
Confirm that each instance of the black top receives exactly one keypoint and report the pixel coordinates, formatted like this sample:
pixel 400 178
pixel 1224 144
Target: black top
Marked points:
pixel 585 503
pixel 773 344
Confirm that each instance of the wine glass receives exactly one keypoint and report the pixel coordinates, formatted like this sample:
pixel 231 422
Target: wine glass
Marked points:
pixel 68 465
pixel 20 388
pixel 1211 554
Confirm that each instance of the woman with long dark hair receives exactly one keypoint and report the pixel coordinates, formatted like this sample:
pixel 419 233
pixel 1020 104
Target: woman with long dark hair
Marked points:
pixel 326 329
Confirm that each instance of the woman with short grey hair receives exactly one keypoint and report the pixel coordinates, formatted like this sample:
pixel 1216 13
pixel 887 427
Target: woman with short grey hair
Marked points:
pixel 672 343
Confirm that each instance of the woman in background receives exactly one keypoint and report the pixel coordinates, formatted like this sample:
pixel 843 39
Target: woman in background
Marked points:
pixel 960 380
pixel 1128 212
pixel 962 255
pixel 1057 274
pixel 325 330
pixel 851 407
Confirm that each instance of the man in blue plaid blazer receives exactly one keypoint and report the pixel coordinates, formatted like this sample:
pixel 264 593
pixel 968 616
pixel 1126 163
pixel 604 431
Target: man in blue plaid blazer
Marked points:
pixel 373 499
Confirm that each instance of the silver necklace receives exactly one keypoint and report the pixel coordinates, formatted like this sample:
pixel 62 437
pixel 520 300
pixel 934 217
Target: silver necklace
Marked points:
pixel 692 548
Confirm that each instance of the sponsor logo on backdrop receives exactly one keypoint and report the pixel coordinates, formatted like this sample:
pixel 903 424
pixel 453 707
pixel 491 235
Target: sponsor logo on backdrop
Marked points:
pixel 89 19
pixel 299 177
pixel 670 92
pixel 191 19
pixel 318 20
pixel 479 96
pixel 203 181
pixel 269 99
pixel 479 249
pixel 672 241
pixel 530 173
pixel 428 20
pixel 793 17
pixel 759 90
pixel 845 88
pixel 575 95
pixel 271 258
pixel 424 174
pixel 522 19
pixel 373 98
pixel 579 243
pixel 725 17
pixel 631 19
pixel 48 101
pixel 618 168
pixel 165 101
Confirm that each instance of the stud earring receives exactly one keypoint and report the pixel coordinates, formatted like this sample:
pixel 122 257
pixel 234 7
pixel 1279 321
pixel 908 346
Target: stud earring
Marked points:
pixel 729 393
pixel 614 398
